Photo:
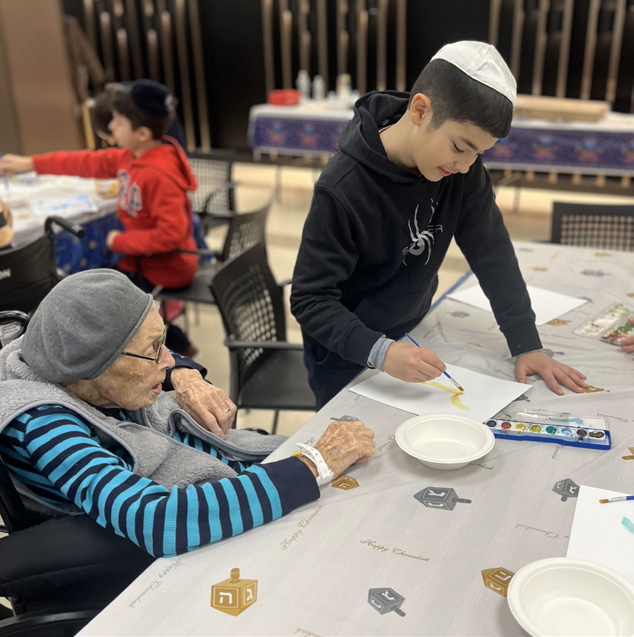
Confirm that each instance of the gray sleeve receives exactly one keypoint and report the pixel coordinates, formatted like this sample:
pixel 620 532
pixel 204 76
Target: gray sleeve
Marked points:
pixel 378 351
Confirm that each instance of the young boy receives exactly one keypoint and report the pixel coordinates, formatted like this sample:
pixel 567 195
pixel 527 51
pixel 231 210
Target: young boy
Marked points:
pixel 154 178
pixel 101 115
pixel 407 178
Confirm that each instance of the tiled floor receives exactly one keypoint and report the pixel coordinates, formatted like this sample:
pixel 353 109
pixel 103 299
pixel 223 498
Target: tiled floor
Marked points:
pixel 530 220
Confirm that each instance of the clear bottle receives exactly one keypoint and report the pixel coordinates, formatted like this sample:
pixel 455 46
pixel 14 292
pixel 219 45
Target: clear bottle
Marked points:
pixel 319 88
pixel 303 84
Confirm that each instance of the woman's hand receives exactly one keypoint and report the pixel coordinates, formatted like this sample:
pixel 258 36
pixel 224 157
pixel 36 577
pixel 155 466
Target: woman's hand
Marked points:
pixel 343 444
pixel 627 342
pixel 207 404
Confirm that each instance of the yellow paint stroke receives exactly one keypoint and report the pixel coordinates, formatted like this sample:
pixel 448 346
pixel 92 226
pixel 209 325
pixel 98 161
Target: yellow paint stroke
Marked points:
pixel 630 294
pixel 557 322
pixel 602 254
pixel 591 389
pixel 455 399
pixel 540 268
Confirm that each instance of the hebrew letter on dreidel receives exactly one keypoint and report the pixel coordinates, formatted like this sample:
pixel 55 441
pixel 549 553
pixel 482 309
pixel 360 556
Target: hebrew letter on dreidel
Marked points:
pixel 234 595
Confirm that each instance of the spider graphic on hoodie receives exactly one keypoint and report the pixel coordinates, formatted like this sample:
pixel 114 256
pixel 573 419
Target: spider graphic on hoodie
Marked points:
pixel 422 239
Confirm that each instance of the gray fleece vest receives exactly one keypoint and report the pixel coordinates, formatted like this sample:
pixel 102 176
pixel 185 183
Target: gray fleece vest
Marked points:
pixel 156 455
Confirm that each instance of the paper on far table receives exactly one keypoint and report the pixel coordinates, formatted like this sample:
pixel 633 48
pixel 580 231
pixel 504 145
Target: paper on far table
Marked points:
pixel 547 305
pixel 603 533
pixel 484 395
pixel 67 205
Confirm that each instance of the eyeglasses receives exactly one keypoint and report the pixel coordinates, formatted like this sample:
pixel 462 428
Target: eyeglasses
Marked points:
pixel 159 350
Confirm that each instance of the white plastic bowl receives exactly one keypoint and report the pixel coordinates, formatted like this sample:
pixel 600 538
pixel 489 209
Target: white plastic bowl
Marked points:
pixel 444 441
pixel 565 596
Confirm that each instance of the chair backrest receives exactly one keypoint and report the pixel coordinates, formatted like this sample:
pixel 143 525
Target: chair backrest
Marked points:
pixel 27 274
pixel 607 227
pixel 245 231
pixel 252 308
pixel 213 194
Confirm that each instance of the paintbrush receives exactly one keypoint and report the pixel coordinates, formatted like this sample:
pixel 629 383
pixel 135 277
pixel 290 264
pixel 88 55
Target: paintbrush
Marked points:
pixel 620 498
pixel 445 373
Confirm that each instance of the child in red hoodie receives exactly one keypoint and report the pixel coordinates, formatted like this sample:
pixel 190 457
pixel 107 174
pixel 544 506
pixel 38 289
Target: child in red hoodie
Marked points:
pixel 154 178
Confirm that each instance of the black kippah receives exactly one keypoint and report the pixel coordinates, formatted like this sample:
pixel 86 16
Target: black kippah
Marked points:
pixel 151 98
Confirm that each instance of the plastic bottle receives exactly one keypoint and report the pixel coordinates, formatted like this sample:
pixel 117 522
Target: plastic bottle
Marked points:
pixel 319 88
pixel 303 84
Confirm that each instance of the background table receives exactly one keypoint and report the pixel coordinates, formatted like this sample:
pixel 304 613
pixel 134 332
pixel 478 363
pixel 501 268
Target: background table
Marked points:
pixel 444 570
pixel 604 147
pixel 73 254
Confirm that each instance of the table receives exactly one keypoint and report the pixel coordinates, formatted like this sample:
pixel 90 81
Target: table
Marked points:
pixel 443 571
pixel 596 148
pixel 28 191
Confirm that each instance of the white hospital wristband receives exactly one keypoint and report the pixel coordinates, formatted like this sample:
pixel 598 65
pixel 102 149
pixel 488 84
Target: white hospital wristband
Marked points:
pixel 325 474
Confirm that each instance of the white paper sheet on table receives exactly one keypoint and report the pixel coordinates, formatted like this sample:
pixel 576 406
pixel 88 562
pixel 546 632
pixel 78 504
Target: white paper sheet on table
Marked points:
pixel 547 305
pixel 67 205
pixel 484 395
pixel 603 533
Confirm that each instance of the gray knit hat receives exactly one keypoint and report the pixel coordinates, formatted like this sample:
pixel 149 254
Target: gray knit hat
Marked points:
pixel 83 324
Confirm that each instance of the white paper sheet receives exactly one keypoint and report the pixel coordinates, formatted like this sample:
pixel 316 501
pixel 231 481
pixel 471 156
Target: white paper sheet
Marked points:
pixel 547 305
pixel 483 397
pixel 604 533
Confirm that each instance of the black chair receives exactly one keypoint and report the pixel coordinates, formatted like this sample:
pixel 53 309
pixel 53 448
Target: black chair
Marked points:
pixel 267 372
pixel 214 200
pixel 245 230
pixel 56 573
pixel 607 227
pixel 29 272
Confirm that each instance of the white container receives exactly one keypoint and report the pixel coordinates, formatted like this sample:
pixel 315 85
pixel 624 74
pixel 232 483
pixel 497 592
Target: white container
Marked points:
pixel 444 441
pixel 303 84
pixel 565 596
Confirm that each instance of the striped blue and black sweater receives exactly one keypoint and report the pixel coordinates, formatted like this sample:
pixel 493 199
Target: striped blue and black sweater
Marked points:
pixel 59 454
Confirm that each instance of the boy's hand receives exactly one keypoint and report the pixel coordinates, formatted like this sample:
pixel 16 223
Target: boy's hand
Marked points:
pixel 412 364
pixel 551 371
pixel 627 343
pixel 110 237
pixel 16 164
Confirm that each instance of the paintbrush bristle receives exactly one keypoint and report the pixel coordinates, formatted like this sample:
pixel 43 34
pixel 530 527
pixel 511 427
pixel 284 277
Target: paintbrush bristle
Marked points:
pixel 460 388
pixel 604 501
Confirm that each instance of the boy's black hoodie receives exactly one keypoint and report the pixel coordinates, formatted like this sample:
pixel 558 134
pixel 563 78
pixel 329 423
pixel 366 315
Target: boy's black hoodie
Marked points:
pixel 376 236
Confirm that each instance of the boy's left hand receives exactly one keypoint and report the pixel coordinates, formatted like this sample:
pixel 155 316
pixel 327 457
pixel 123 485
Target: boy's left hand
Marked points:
pixel 552 371
pixel 110 237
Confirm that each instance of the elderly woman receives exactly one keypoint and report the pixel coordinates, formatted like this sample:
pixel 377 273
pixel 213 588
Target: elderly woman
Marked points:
pixel 85 427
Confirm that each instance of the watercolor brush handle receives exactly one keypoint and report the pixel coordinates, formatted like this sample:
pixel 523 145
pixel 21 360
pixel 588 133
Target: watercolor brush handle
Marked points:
pixel 445 373
pixel 620 498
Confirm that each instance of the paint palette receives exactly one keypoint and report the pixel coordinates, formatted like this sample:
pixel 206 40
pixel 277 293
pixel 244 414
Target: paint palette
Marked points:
pixel 566 434
pixel 606 322
pixel 614 336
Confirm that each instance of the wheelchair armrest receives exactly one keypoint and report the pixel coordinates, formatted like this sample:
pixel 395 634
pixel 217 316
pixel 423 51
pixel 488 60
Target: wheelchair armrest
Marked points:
pixel 284 283
pixel 231 344
pixel 26 623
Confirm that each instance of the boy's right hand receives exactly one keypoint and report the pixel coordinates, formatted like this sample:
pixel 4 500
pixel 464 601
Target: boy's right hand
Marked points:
pixel 412 364
pixel 16 164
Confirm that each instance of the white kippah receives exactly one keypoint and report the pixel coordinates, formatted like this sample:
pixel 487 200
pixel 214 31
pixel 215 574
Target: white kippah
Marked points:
pixel 482 62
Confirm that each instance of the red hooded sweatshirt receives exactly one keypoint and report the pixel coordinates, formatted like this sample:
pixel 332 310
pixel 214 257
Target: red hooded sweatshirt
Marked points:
pixel 153 205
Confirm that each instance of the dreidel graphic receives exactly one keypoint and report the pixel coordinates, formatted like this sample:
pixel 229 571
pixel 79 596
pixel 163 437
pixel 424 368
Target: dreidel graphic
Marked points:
pixel 344 482
pixel 566 489
pixel 439 498
pixel 497 579
pixel 234 595
pixel 385 600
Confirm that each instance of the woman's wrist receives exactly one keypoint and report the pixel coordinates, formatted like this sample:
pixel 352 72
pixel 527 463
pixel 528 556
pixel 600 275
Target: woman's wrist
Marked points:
pixel 310 464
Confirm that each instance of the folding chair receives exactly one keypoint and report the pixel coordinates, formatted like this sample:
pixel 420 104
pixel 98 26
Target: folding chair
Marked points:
pixel 267 372
pixel 607 227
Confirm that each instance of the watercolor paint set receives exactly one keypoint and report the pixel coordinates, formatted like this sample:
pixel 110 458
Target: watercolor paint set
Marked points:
pixel 560 428
pixel 610 325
